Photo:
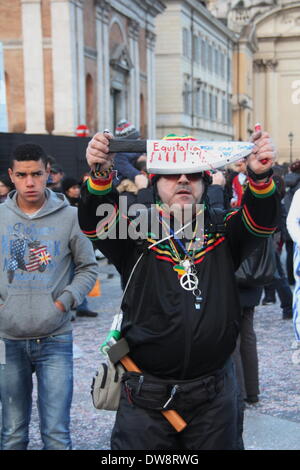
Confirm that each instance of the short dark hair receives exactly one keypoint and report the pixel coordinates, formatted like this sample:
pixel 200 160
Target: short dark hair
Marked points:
pixel 5 179
pixel 51 160
pixel 56 169
pixel 295 167
pixel 141 165
pixel 28 151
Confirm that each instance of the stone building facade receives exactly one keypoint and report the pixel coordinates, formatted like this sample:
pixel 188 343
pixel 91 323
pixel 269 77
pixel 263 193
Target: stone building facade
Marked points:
pixel 71 62
pixel 209 68
pixel 269 61
pixel 194 57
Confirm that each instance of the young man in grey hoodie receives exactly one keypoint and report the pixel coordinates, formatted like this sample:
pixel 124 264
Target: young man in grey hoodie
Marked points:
pixel 41 249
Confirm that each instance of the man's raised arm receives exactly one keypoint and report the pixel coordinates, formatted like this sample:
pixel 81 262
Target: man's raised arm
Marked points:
pixel 98 211
pixel 258 216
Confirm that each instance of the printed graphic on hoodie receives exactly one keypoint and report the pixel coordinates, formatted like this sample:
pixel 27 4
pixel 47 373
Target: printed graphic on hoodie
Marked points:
pixel 27 255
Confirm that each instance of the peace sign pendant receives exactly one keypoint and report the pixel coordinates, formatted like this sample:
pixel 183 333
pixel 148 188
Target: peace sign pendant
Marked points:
pixel 189 281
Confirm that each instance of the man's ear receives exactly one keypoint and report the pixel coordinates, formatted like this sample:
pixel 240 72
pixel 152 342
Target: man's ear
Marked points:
pixel 10 172
pixel 48 169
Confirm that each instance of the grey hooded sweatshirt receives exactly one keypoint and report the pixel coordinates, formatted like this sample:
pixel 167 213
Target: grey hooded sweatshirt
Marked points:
pixel 43 258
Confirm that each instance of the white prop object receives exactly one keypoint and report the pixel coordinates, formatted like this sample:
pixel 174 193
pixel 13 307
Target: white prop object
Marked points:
pixel 191 156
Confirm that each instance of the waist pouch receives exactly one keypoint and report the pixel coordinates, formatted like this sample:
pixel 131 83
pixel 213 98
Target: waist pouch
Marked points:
pixel 146 391
pixel 106 386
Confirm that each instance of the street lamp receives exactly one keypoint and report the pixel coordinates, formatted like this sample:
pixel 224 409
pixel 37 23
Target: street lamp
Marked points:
pixel 291 137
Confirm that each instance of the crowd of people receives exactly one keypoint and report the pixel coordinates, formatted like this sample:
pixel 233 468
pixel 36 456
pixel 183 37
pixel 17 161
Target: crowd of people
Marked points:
pixel 197 350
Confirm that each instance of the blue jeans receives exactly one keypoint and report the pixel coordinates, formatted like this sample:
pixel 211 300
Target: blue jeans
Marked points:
pixel 51 359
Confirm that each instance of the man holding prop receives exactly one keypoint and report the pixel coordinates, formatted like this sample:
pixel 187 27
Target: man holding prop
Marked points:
pixel 181 310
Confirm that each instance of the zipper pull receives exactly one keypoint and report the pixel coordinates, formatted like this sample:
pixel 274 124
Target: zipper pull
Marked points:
pixel 173 391
pixel 141 380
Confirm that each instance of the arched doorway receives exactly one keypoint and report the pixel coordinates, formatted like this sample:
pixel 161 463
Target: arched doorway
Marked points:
pixel 120 66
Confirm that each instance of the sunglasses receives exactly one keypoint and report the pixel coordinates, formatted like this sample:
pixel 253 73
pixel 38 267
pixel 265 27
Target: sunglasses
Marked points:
pixel 189 176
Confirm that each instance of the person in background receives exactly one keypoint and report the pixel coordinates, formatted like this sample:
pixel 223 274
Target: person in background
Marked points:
pixel 6 186
pixel 280 283
pixel 217 194
pixel 50 161
pixel 239 182
pixel 140 192
pixel 71 189
pixel 57 174
pixel 125 163
pixel 42 248
pixel 245 355
pixel 292 183
pixel 293 226
pixel 84 178
pixel 229 175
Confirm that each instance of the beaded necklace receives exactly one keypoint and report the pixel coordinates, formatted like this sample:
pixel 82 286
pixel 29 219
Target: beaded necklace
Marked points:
pixel 185 268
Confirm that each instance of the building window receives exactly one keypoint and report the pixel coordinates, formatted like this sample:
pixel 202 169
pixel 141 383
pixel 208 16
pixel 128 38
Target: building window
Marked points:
pixel 213 107
pixel 222 65
pixel 216 62
pixel 209 57
pixel 229 113
pixel 198 103
pixel 203 53
pixel 186 46
pixel 204 104
pixel 229 74
pixel 186 99
pixel 210 106
pixel 196 49
pixel 224 110
pixel 116 106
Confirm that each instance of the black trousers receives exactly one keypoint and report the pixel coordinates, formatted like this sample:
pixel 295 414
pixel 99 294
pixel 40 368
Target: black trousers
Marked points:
pixel 281 285
pixel 289 246
pixel 245 355
pixel 211 426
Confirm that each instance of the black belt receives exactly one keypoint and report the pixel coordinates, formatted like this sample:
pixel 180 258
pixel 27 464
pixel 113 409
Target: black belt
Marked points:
pixel 147 391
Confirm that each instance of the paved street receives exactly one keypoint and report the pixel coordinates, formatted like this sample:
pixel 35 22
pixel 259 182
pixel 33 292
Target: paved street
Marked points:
pixel 274 423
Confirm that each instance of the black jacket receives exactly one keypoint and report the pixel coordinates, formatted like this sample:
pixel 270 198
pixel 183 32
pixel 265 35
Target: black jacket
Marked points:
pixel 249 296
pixel 124 166
pixel 168 336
